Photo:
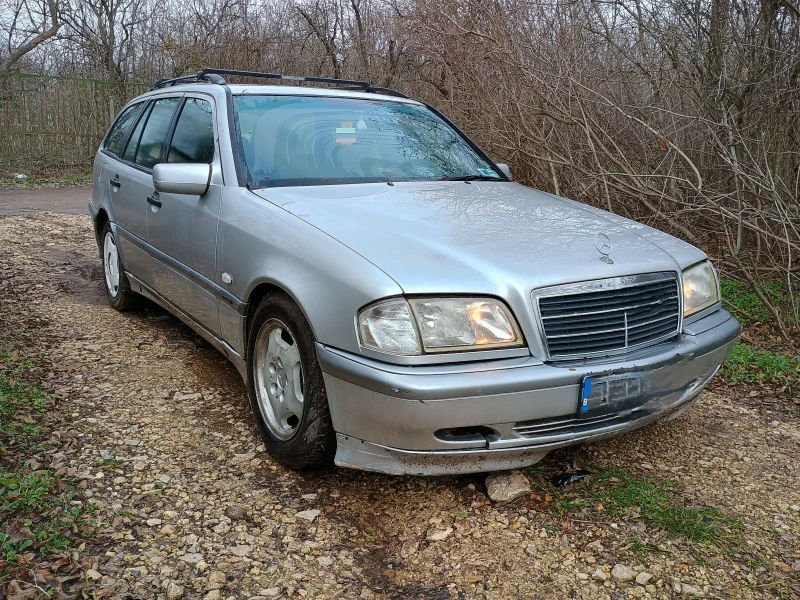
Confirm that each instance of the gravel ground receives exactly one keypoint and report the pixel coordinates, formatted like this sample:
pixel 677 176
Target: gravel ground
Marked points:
pixel 161 438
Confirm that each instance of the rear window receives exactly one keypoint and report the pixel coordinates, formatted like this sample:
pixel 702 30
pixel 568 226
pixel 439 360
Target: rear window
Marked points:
pixel 119 130
pixel 144 146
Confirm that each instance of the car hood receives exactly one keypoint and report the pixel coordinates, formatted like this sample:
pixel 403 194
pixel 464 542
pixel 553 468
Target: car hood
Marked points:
pixel 481 237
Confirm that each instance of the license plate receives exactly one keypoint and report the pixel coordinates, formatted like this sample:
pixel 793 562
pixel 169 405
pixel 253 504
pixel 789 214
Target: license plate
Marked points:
pixel 608 394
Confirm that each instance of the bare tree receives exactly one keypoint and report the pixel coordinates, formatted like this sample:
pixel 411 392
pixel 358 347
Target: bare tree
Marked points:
pixel 26 25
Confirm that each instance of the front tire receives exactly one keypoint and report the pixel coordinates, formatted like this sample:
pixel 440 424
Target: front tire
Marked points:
pixel 286 388
pixel 118 290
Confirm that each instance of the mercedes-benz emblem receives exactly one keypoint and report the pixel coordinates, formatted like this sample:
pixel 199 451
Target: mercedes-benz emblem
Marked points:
pixel 604 247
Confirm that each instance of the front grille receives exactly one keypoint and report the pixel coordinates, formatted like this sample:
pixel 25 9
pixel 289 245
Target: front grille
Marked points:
pixel 609 316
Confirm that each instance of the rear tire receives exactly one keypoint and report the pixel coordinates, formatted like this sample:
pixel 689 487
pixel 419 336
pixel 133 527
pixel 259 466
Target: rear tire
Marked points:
pixel 286 388
pixel 118 289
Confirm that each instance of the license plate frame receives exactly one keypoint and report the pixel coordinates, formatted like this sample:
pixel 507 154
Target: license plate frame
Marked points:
pixel 602 395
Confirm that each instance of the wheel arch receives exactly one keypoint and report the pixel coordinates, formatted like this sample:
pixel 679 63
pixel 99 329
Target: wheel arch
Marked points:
pixel 257 294
pixel 99 222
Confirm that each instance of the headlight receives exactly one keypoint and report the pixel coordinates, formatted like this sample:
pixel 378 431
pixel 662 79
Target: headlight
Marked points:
pixel 433 325
pixel 700 288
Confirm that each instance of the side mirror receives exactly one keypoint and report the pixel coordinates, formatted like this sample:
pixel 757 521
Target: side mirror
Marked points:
pixel 182 178
pixel 504 168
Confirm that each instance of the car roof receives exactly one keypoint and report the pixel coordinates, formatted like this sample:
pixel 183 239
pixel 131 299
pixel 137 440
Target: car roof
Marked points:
pixel 283 90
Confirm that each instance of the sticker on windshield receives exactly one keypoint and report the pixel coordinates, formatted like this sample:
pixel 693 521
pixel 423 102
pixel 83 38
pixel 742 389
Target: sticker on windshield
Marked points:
pixel 345 135
pixel 488 173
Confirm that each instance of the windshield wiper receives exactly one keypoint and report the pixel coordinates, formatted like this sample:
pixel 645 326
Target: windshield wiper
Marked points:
pixel 473 178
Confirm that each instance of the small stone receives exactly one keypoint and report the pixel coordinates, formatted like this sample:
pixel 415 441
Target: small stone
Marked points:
pixel 137 571
pixel 167 530
pixel 192 558
pixel 169 515
pixel 242 550
pixel 174 590
pixel 271 592
pixel 216 579
pixel 623 573
pixel 691 590
pixel 93 575
pixel 236 513
pixel 308 515
pixel 595 546
pixel 237 458
pixel 153 522
pixel 325 561
pixel 438 533
pixel 583 576
pixel 408 549
pixel 643 578
pixel 212 595
pixel 504 487
pixel 599 575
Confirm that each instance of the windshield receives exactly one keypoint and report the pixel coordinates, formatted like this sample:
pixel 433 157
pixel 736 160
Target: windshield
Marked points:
pixel 302 140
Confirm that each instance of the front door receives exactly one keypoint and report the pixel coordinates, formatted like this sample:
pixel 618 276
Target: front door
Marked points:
pixel 182 228
pixel 134 182
pixel 116 181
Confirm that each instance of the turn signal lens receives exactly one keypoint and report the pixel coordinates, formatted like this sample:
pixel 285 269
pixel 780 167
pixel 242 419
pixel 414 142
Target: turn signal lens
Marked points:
pixel 700 288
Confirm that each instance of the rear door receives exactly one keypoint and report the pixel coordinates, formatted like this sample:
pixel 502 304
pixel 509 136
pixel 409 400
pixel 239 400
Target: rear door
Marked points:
pixel 183 228
pixel 133 179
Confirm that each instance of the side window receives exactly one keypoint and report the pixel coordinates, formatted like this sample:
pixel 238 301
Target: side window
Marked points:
pixel 120 128
pixel 133 141
pixel 193 140
pixel 155 130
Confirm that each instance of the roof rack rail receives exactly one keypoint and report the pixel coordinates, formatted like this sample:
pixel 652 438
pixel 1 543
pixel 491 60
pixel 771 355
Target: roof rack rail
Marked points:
pixel 215 76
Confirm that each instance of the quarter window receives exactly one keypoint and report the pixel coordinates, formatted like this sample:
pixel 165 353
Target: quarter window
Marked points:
pixel 133 141
pixel 155 130
pixel 126 119
pixel 193 140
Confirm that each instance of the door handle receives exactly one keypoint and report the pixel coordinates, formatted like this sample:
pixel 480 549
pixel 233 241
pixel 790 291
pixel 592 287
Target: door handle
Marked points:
pixel 152 200
pixel 116 182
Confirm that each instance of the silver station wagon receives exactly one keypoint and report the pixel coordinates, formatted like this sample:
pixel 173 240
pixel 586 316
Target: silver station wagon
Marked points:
pixel 392 300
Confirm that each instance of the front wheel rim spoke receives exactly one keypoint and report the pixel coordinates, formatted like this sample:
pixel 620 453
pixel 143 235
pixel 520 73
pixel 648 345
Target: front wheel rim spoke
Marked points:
pixel 279 379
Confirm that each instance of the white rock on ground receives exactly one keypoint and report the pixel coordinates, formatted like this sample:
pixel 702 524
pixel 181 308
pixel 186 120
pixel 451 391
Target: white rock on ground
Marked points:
pixel 643 578
pixel 621 572
pixel 308 515
pixel 506 486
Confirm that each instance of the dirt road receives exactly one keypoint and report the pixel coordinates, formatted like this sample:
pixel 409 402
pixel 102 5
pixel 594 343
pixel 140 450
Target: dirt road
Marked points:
pixel 163 441
pixel 65 200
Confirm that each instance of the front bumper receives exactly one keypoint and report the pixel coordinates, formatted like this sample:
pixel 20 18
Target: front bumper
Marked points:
pixel 502 414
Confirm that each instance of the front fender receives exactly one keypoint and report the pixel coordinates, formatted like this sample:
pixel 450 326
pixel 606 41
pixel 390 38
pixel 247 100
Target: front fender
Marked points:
pixel 261 243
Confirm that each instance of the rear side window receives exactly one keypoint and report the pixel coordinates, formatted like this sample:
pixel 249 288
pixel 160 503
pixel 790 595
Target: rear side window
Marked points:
pixel 155 130
pixel 119 131
pixel 193 140
pixel 133 141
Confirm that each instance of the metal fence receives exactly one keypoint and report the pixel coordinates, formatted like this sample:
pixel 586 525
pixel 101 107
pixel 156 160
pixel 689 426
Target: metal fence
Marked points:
pixel 51 125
